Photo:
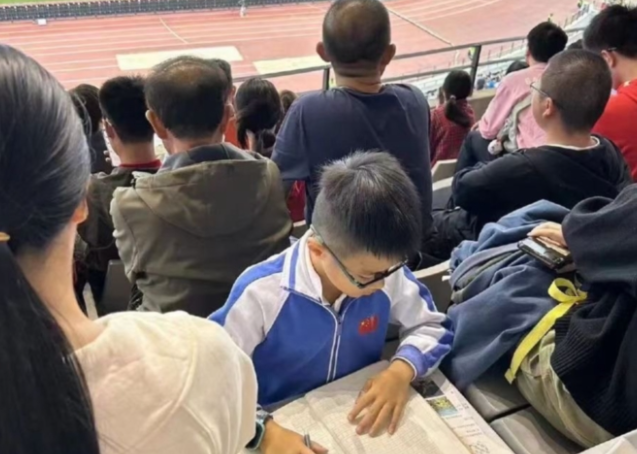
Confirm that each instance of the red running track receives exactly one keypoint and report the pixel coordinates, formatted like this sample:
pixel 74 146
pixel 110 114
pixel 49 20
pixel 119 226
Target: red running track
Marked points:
pixel 84 50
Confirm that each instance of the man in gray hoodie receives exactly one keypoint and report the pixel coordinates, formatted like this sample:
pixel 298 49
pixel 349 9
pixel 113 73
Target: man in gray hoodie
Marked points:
pixel 186 233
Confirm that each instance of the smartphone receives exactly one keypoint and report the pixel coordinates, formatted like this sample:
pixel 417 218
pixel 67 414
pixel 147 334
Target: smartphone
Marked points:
pixel 553 256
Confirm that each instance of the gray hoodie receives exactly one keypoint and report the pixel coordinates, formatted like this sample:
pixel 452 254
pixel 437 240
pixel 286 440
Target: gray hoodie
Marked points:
pixel 186 233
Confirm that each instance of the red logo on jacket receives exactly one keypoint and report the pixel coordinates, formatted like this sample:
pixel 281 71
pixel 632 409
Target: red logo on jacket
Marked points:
pixel 368 325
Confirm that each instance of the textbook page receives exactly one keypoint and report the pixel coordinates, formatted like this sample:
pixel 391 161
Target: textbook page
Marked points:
pixel 421 430
pixel 297 416
pixel 460 416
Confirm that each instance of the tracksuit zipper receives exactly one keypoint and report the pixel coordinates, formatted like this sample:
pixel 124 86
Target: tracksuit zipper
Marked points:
pixel 331 373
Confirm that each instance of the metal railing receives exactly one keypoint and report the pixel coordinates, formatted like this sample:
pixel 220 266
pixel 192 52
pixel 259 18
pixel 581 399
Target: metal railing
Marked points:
pixel 478 60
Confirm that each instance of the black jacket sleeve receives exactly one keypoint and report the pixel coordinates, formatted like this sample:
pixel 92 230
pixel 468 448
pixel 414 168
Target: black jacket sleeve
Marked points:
pixel 499 187
pixel 602 236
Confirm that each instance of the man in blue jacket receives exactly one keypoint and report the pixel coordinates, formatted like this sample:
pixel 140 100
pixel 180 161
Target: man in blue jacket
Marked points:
pixel 320 310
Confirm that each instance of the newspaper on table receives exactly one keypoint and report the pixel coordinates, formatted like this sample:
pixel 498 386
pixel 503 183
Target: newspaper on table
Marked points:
pixel 460 416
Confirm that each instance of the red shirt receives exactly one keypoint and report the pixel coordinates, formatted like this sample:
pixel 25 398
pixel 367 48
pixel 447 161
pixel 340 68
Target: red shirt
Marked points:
pixel 445 136
pixel 619 122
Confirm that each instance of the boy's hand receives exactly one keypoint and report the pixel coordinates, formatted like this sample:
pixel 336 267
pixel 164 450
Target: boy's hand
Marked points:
pixel 551 231
pixel 279 440
pixel 384 397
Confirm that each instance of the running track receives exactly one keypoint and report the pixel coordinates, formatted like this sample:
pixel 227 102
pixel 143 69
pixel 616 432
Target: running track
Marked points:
pixel 84 50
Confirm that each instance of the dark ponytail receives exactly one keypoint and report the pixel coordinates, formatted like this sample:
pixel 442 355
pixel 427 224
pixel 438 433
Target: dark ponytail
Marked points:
pixel 259 111
pixel 456 88
pixel 44 167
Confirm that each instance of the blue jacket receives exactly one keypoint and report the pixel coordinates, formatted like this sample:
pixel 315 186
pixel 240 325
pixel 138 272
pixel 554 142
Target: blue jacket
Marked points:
pixel 503 292
pixel 297 342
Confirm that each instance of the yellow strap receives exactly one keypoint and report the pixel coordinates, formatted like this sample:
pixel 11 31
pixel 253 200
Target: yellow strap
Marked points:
pixel 566 294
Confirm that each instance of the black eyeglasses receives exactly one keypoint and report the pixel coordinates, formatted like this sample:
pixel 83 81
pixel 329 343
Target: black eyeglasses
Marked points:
pixel 536 86
pixel 358 284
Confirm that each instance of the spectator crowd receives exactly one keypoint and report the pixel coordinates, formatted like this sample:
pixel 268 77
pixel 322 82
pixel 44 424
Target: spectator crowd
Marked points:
pixel 230 315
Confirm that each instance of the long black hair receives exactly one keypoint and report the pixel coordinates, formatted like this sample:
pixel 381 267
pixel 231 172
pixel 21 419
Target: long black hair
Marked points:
pixel 259 111
pixel 457 87
pixel 44 169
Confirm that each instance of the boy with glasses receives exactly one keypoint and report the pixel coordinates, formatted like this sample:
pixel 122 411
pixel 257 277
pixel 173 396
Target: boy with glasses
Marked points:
pixel 320 310
pixel 572 166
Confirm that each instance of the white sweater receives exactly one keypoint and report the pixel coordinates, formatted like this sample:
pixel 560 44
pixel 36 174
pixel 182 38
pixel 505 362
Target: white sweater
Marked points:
pixel 169 384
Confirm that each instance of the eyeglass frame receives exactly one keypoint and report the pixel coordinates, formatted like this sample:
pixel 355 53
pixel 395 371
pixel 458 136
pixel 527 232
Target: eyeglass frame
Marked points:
pixel 533 86
pixel 355 282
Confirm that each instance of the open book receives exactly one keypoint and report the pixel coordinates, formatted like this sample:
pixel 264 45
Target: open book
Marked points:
pixel 323 412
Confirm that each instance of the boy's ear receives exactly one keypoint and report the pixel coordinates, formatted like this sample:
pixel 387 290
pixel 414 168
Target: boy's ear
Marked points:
pixel 549 110
pixel 610 58
pixel 315 247
pixel 110 131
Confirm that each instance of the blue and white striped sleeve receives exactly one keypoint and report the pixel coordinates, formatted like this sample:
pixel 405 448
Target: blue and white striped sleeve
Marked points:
pixel 426 335
pixel 247 315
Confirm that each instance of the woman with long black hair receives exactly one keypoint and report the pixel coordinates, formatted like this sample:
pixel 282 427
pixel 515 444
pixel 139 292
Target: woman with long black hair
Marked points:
pixel 127 383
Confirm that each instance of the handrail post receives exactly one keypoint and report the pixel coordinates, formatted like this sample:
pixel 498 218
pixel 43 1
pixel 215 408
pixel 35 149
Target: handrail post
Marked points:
pixel 326 78
pixel 475 61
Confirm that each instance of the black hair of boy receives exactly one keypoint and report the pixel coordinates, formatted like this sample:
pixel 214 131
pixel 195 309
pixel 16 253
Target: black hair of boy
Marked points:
pixel 123 104
pixel 86 101
pixel 188 95
pixel 615 29
pixel 579 44
pixel 356 32
pixel 368 204
pixel 569 75
pixel 546 40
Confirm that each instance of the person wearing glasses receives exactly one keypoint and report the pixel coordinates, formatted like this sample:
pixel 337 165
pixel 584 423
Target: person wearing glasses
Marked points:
pixel 320 310
pixel 613 34
pixel 573 165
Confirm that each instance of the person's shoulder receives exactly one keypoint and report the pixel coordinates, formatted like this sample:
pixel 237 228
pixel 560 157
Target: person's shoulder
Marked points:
pixel 261 279
pixel 147 371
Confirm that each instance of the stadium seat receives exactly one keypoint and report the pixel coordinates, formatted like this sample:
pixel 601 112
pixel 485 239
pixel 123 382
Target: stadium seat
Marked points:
pixel 493 397
pixel 117 289
pixel 626 444
pixel 443 169
pixel 527 432
pixel 441 193
pixel 440 290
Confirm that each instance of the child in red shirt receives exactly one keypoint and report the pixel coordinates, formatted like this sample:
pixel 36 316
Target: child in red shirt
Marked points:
pixel 451 121
pixel 613 33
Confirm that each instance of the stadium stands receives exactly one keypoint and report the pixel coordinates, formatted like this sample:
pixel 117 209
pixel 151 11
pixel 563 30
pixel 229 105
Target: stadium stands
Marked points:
pixel 498 402
pixel 10 13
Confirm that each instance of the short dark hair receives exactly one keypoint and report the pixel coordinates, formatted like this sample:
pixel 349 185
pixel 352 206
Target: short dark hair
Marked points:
pixel 356 32
pixel 368 203
pixel 568 75
pixel 86 101
pixel 225 67
pixel 188 94
pixel 546 40
pixel 124 106
pixel 614 28
pixel 258 111
pixel 517 65
pixel 579 44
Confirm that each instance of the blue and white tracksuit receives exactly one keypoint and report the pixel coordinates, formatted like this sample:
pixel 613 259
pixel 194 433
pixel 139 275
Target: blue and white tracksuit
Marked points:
pixel 298 342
